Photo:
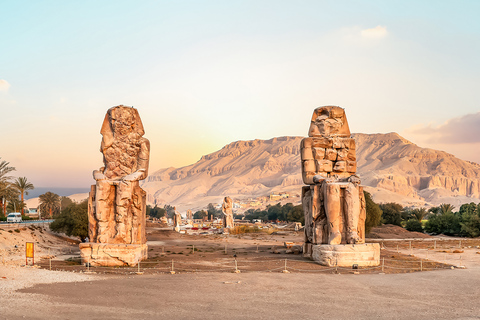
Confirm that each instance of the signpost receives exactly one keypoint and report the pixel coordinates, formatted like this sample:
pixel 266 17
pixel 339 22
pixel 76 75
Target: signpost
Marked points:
pixel 29 252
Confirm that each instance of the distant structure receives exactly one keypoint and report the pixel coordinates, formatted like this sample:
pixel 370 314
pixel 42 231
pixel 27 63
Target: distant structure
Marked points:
pixel 117 204
pixel 177 220
pixel 333 202
pixel 227 209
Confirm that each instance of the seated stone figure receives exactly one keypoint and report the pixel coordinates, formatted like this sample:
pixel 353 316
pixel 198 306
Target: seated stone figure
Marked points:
pixel 227 209
pixel 334 204
pixel 117 203
pixel 177 219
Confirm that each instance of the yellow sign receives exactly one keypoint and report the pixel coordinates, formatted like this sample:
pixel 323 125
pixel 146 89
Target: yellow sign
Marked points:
pixel 29 249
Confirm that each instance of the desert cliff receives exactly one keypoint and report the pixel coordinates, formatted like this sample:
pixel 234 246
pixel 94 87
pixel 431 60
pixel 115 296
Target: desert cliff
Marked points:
pixel 391 167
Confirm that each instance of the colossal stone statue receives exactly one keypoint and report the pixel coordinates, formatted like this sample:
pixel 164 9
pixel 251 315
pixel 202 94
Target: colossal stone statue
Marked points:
pixel 227 209
pixel 116 210
pixel 189 215
pixel 333 201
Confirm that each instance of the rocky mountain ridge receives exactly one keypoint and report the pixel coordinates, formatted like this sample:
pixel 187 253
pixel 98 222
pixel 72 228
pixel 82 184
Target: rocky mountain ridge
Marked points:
pixel 391 167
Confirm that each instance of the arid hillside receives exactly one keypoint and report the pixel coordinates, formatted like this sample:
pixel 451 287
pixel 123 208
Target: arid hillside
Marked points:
pixel 396 169
pixel 242 169
pixel 391 167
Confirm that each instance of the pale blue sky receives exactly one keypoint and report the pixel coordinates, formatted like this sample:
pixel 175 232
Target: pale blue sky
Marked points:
pixel 205 73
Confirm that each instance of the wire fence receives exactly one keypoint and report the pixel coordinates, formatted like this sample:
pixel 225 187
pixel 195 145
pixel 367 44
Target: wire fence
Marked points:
pixel 397 256
pixel 387 265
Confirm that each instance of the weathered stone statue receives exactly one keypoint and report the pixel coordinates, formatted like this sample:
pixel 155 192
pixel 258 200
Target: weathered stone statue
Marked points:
pixel 177 220
pixel 116 210
pixel 333 201
pixel 189 215
pixel 227 209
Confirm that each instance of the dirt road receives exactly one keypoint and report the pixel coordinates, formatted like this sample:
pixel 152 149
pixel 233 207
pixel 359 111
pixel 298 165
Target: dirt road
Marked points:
pixel 448 294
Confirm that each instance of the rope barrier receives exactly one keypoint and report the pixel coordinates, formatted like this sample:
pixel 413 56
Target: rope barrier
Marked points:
pixel 284 265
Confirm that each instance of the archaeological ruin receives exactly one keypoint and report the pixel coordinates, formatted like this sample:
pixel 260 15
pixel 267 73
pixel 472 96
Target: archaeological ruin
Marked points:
pixel 116 203
pixel 333 200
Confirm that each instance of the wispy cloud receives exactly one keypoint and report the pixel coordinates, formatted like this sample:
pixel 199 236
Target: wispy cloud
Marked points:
pixel 4 85
pixel 376 33
pixel 465 129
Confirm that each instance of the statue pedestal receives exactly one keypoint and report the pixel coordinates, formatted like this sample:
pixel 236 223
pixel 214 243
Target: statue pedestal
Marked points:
pixel 346 255
pixel 112 255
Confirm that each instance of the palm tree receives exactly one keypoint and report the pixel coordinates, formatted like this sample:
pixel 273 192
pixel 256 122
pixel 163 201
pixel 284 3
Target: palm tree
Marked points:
pixel 4 170
pixel 49 202
pixel 23 186
pixel 446 208
pixel 419 214
pixel 7 194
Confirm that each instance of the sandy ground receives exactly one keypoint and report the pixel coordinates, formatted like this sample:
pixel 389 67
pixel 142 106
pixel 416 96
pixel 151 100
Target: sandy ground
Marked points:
pixel 32 293
pixel 449 294
pixel 47 244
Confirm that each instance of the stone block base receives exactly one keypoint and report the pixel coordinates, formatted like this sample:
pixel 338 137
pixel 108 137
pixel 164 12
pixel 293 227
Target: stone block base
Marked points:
pixel 346 255
pixel 112 255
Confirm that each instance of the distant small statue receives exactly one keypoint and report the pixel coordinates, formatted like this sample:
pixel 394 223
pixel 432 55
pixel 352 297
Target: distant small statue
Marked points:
pixel 189 215
pixel 227 209
pixel 177 219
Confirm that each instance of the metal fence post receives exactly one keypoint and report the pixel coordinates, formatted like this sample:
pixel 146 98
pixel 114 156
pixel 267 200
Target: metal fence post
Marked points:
pixel 172 271
pixel 383 264
pixel 285 270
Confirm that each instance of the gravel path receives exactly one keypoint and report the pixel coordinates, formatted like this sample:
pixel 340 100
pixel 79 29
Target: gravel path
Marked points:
pixel 14 304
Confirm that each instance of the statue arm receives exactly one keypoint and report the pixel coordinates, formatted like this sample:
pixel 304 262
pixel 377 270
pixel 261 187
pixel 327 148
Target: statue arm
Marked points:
pixel 142 163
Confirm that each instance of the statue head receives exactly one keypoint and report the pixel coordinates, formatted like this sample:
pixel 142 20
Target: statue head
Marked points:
pixel 121 121
pixel 329 121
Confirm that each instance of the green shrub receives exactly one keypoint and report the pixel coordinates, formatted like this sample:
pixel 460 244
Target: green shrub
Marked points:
pixel 374 213
pixel 73 221
pixel 446 223
pixel 414 225
pixel 392 213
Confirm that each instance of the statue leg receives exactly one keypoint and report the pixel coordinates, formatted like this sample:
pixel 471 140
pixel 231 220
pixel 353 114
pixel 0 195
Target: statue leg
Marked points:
pixel 103 210
pixel 123 204
pixel 332 211
pixel 352 209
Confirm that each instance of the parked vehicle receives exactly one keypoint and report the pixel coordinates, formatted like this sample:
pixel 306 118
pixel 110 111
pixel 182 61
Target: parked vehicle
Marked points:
pixel 14 217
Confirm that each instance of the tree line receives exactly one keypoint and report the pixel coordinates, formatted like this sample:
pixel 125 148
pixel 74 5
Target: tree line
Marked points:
pixel 442 219
pixel 12 191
